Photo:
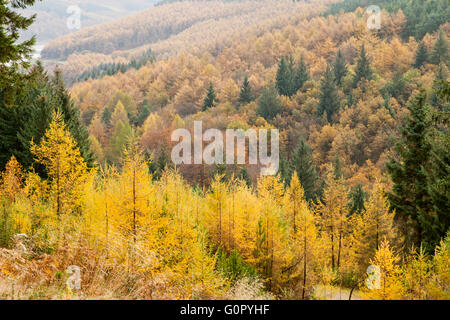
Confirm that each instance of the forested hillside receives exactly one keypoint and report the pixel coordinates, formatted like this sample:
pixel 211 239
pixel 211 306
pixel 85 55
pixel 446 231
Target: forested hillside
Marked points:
pixel 88 179
pixel 51 15
pixel 146 27
pixel 170 29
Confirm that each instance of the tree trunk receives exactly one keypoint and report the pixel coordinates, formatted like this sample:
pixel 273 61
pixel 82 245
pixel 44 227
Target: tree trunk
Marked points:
pixel 332 250
pixel 304 262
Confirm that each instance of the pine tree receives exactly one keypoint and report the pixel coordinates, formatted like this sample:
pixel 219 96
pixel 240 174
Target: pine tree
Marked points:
pixel 357 199
pixel 329 99
pixel 285 169
pixel 301 75
pixel 143 114
pixel 245 96
pixel 290 79
pixel 410 194
pixel 72 119
pixel 12 119
pixel 339 68
pixel 436 99
pixel 421 56
pixel 363 69
pixel 440 50
pixel 42 97
pixel 9 122
pixel 284 78
pixel 106 117
pixel 14 56
pixel 337 168
pixel 303 163
pixel 269 105
pixel 161 164
pixel 439 169
pixel 210 99
pixel 38 119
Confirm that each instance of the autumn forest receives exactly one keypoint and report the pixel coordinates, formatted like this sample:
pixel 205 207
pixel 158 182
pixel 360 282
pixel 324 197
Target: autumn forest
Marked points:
pixel 358 91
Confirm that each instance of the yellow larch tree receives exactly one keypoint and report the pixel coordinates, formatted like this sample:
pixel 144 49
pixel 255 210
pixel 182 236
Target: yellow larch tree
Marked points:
pixel 216 214
pixel 132 209
pixel 247 210
pixel 271 232
pixel 11 180
pixel 229 92
pixel 67 171
pixel 372 226
pixel 11 184
pixel 391 287
pixel 100 207
pixel 334 223
pixel 42 218
pixel 303 241
pixel 439 285
pixel 417 272
pixel 177 242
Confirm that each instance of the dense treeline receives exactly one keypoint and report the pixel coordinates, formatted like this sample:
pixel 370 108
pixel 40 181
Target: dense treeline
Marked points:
pixel 363 180
pixel 143 28
pixel 267 238
pixel 29 114
pixel 205 34
pixel 422 17
pixel 110 69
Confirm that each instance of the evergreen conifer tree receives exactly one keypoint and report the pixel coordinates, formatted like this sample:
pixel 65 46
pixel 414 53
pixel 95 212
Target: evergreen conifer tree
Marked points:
pixel 301 75
pixel 269 105
pixel 283 79
pixel 363 69
pixel 329 100
pixel 440 51
pixel 246 92
pixel 13 55
pixel 410 195
pixel 421 55
pixel 339 68
pixel 302 163
pixel 210 99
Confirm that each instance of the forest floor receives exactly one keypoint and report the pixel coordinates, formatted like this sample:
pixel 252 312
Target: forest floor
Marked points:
pixel 335 293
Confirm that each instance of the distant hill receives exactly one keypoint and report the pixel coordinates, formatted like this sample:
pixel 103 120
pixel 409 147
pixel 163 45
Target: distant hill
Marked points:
pixel 167 30
pixel 145 27
pixel 52 15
